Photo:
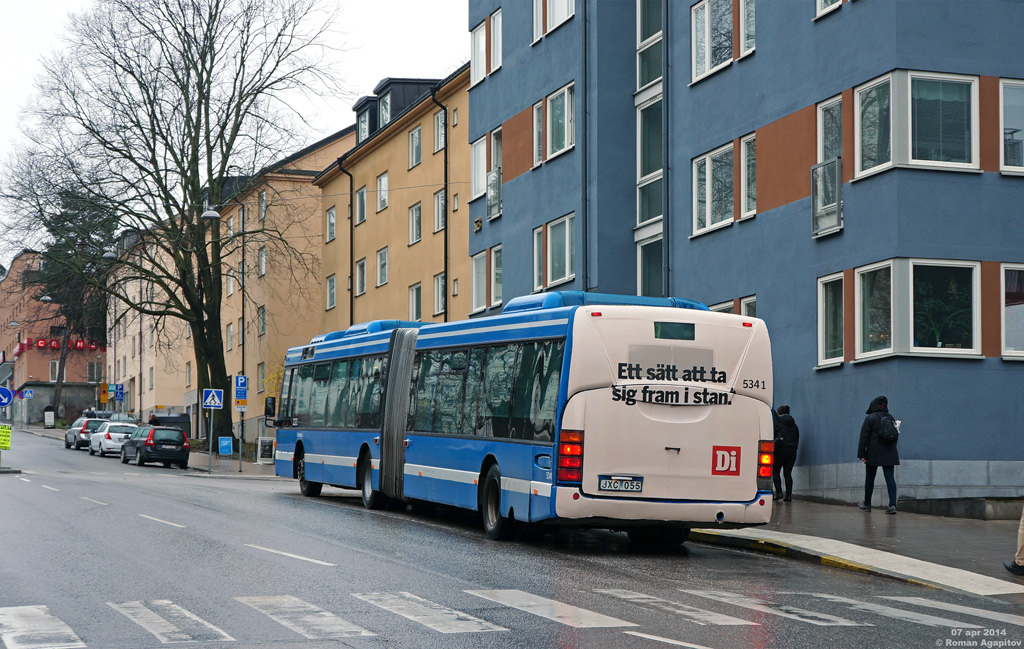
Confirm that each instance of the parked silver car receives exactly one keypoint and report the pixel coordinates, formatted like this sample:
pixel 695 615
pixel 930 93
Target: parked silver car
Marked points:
pixel 109 437
pixel 77 436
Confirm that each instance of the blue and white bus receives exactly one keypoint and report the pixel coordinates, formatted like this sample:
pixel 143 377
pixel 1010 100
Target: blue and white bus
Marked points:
pixel 646 415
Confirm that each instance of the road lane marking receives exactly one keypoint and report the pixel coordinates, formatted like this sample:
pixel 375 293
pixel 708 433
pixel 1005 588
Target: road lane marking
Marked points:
pixel 550 609
pixel 170 623
pixel 289 554
pixel 782 610
pixel 303 618
pixel 895 613
pixel 677 643
pixel 696 615
pixel 161 521
pixel 50 488
pixel 24 479
pixel 93 501
pixel 956 608
pixel 427 613
pixel 34 627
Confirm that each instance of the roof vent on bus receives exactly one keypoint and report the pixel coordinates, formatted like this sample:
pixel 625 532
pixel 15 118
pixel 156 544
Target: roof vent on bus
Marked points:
pixel 558 299
pixel 376 326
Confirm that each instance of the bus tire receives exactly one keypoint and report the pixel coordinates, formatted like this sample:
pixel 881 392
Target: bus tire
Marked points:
pixel 372 498
pixel 308 489
pixel 496 526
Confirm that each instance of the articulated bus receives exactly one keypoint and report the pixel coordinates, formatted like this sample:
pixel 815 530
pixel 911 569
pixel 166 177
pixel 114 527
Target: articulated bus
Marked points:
pixel 645 415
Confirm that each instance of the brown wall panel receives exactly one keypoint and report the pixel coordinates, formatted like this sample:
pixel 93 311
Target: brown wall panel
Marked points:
pixel 849 316
pixel 988 119
pixel 517 145
pixel 786 151
pixel 737 180
pixel 991 316
pixel 849 153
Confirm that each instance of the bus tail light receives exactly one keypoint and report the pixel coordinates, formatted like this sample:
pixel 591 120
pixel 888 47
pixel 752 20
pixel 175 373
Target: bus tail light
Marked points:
pixel 765 460
pixel 570 456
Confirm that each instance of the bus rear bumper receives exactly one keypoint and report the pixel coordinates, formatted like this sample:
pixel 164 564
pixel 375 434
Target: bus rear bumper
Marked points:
pixel 628 512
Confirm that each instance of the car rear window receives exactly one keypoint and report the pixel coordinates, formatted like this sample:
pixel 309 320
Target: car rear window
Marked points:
pixel 168 436
pixel 121 429
pixel 93 424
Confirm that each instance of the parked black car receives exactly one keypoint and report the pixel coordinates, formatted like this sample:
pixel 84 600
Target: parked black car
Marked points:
pixel 156 444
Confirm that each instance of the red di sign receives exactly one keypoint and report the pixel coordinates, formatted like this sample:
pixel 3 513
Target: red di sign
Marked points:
pixel 725 460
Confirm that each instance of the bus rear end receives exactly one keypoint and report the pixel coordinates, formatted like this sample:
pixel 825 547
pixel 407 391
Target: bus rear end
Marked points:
pixel 667 422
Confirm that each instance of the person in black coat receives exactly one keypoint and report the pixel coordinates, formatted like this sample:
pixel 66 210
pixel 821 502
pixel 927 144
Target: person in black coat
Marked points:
pixel 787 438
pixel 873 453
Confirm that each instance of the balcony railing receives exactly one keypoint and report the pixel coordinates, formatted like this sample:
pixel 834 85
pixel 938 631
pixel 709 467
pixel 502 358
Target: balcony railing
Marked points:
pixel 494 193
pixel 827 197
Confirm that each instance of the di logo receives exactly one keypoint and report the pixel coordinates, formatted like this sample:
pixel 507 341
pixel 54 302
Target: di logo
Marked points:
pixel 725 460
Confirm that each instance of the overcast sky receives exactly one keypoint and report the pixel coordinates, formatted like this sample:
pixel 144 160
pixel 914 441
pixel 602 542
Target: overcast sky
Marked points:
pixel 380 38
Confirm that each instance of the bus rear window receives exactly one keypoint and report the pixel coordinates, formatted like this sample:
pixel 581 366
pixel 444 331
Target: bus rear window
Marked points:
pixel 673 330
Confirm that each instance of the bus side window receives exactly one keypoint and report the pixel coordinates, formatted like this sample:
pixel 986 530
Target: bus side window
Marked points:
pixel 495 410
pixel 318 397
pixel 285 408
pixel 336 394
pixel 352 392
pixel 544 401
pixel 371 375
pixel 536 389
pixel 427 365
pixel 450 393
pixel 472 422
pixel 302 387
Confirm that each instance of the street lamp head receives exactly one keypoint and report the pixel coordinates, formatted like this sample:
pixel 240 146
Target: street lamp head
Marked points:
pixel 109 255
pixel 210 214
pixel 46 298
pixel 13 323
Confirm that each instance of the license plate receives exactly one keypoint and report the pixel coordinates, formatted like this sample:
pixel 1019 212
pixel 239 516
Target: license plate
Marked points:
pixel 168 448
pixel 619 483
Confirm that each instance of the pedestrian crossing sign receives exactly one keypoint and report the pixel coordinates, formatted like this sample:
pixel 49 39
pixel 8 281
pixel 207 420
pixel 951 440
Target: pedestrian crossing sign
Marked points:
pixel 213 399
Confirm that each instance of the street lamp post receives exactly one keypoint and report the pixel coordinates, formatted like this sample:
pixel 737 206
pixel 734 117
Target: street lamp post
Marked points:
pixel 213 217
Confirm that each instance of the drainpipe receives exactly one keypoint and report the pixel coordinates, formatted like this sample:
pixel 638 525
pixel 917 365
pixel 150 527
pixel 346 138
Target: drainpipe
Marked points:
pixel 444 215
pixel 584 162
pixel 665 223
pixel 351 248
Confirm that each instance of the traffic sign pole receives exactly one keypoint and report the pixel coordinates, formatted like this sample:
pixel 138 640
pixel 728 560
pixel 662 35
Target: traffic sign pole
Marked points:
pixel 209 443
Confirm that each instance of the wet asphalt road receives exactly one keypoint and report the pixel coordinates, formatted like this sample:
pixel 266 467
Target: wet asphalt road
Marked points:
pixel 88 538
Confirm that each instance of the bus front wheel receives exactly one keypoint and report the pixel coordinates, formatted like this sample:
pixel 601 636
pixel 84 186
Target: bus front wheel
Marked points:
pixel 496 526
pixel 310 489
pixel 372 498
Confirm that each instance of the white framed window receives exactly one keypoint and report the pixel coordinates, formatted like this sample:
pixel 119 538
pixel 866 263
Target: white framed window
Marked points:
pixel 439 131
pixel 360 206
pixel 440 293
pixel 560 126
pixel 361 276
pixel 748 306
pixel 384 110
pixel 748 177
pixel 713 189
pixel 261 262
pixel 495 40
pixel 648 42
pixel 650 268
pixel 231 281
pixel 538 20
pixel 188 373
pixel 54 371
pixel 152 335
pixel 263 205
pixel 439 215
pixel 493 182
pixel 873 300
pixel 1011 125
pixel 230 227
pixel 415 302
pixel 559 11
pixel 1012 309
pixel 830 319
pixel 496 276
pixel 830 129
pixel 363 125
pixel 332 286
pixel 538 259
pixel 152 377
pixel 945 306
pixel 711 37
pixel 722 307
pixel 415 153
pixel 747 26
pixel 455 117
pixel 382 191
pixel 241 333
pixel 478 54
pixel 241 276
pixel 872 122
pixel 479 275
pixel 538 133
pixel 455 202
pixel 561 249
pixel 826 6
pixel 229 339
pixel 415 225
pixel 261 320
pixel 943 124
pixel 261 377
pixel 332 221
pixel 650 165
pixel 382 266
pixel 478 172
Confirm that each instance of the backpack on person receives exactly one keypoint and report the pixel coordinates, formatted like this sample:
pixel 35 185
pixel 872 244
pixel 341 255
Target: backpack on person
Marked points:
pixel 888 433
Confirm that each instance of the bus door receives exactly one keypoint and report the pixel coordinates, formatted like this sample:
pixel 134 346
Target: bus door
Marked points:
pixel 396 412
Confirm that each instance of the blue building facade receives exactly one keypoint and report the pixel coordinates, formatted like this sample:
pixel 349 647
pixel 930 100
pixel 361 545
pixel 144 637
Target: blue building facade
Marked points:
pixel 851 171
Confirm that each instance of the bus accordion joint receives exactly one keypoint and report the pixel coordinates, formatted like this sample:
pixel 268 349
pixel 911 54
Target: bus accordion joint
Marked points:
pixel 570 456
pixel 765 460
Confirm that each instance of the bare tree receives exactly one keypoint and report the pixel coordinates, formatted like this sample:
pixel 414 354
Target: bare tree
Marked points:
pixel 156 111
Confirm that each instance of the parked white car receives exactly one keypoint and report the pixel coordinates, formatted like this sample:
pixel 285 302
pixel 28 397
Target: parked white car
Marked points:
pixel 109 437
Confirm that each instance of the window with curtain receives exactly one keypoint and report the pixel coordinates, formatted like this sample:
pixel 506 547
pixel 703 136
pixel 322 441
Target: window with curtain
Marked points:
pixel 941 120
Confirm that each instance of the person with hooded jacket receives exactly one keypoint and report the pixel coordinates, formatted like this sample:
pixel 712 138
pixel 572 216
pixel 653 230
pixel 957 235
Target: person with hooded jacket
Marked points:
pixel 873 453
pixel 787 439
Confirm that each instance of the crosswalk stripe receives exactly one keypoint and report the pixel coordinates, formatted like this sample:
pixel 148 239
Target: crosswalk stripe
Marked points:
pixel 696 615
pixel 550 609
pixel 34 627
pixel 427 613
pixel 1009 618
pixel 303 618
pixel 782 610
pixel 895 613
pixel 677 643
pixel 169 622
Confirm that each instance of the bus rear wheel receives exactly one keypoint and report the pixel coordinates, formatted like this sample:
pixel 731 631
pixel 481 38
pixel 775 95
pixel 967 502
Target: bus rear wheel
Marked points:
pixel 496 526
pixel 372 498
pixel 309 489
